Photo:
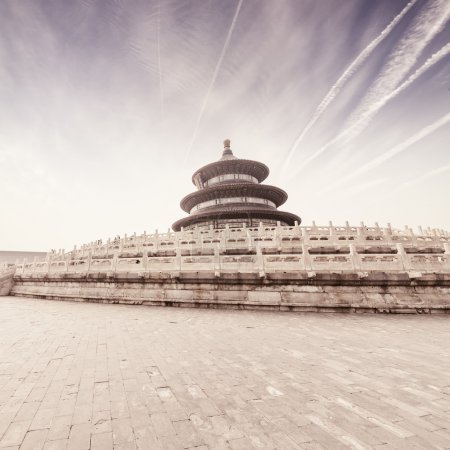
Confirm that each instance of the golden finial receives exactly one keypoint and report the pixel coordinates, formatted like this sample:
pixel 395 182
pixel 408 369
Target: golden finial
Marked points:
pixel 226 143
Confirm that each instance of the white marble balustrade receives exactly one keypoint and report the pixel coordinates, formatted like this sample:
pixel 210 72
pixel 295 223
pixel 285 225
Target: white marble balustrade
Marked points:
pixel 260 249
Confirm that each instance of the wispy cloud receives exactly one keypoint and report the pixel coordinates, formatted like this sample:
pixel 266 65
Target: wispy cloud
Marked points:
pixel 431 174
pixel 374 108
pixel 214 77
pixel 423 30
pixel 346 75
pixel 394 151
pixel 386 87
pixel 357 189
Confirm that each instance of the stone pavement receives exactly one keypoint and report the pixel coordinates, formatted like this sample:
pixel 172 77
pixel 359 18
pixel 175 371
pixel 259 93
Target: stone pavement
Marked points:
pixel 96 376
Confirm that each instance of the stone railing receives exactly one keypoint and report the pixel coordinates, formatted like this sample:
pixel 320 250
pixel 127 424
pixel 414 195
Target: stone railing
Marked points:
pixel 260 250
pixel 268 236
pixel 6 268
pixel 6 279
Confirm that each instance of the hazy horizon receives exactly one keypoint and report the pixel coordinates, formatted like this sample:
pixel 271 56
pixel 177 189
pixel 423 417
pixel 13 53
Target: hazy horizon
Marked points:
pixel 107 108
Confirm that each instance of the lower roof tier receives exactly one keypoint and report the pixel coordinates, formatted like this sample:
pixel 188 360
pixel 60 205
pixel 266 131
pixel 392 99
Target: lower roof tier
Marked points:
pixel 250 213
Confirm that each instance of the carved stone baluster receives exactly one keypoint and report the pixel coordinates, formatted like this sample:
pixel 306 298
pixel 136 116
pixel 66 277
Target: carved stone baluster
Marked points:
pixel 403 256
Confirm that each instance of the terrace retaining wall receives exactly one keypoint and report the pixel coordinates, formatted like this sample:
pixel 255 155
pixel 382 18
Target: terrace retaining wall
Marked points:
pixel 398 292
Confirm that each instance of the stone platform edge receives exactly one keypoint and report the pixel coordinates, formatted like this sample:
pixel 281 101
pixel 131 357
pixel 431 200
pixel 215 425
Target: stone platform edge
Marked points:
pixel 375 292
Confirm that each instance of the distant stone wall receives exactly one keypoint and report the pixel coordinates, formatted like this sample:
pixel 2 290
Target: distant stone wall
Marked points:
pixel 11 257
pixel 325 292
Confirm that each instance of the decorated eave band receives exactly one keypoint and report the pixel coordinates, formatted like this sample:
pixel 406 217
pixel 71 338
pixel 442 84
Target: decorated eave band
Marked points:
pixel 273 194
pixel 255 169
pixel 254 213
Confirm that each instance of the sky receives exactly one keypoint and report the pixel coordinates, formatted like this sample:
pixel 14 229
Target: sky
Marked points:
pixel 107 107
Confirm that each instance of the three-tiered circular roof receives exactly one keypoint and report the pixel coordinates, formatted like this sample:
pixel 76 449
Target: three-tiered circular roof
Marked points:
pixel 229 191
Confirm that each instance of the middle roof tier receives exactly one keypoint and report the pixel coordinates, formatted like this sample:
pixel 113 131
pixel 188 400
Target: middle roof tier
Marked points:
pixel 262 191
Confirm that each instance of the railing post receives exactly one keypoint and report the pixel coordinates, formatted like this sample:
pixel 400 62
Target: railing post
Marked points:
pixel 354 257
pixel 403 256
pixel 145 258
pixel 297 228
pixel 260 262
pixel 156 240
pixel 115 262
pixel 277 238
pixel 360 232
pixel 249 239
pixel 217 261
pixel 306 257
pixel 304 233
pixel 260 229
pixel 331 228
pixel 447 254
pixel 178 259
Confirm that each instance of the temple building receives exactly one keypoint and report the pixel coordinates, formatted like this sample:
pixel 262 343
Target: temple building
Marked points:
pixel 229 192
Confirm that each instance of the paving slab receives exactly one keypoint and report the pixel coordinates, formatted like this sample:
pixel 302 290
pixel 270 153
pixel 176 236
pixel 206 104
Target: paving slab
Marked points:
pixel 98 376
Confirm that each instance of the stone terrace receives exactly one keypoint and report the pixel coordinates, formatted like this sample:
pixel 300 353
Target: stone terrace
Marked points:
pixel 80 376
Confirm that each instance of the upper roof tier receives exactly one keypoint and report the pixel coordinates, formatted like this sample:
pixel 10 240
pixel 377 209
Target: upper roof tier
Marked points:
pixel 230 164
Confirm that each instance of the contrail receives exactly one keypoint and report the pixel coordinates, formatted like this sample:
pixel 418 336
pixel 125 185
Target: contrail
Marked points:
pixel 424 132
pixel 376 106
pixel 364 120
pixel 364 186
pixel 213 80
pixel 346 75
pixel 425 176
pixel 427 26
pixel 370 114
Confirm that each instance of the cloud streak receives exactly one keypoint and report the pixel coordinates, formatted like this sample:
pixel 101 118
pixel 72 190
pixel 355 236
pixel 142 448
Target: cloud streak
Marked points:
pixel 394 151
pixel 214 77
pixel 354 190
pixel 346 75
pixel 377 105
pixel 425 176
pixel 386 87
